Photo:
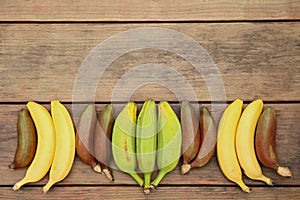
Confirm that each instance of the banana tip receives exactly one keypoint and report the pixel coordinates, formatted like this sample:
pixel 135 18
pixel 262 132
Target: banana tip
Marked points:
pixel 247 190
pixel 147 191
pixel 97 168
pixel 284 171
pixel 16 187
pixel 152 187
pixel 185 168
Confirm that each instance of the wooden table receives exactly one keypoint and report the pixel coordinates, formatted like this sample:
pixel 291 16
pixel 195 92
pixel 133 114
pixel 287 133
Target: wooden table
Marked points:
pixel 254 44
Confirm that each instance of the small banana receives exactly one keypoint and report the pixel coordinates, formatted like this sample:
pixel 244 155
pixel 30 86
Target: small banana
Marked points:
pixel 190 135
pixel 102 140
pixel 169 141
pixel 245 142
pixel 84 137
pixel 123 141
pixel 146 141
pixel 26 141
pixel 208 133
pixel 226 152
pixel 65 144
pixel 265 142
pixel 45 146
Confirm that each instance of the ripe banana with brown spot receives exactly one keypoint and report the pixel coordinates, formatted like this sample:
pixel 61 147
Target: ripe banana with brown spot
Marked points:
pixel 102 140
pixel 226 152
pixel 245 142
pixel 123 141
pixel 169 140
pixel 44 155
pixel 64 144
pixel 26 141
pixel 146 141
pixel 265 142
pixel 190 135
pixel 84 137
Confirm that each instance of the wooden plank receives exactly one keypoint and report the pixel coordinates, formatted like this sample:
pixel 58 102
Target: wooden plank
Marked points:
pixel 201 192
pixel 135 10
pixel 287 143
pixel 41 61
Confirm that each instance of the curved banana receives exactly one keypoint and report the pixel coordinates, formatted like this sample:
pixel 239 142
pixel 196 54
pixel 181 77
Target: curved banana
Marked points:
pixel 123 141
pixel 169 141
pixel 245 142
pixel 146 139
pixel 26 141
pixel 45 146
pixel 226 153
pixel 208 132
pixel 102 140
pixel 65 144
pixel 84 137
pixel 265 142
pixel 191 137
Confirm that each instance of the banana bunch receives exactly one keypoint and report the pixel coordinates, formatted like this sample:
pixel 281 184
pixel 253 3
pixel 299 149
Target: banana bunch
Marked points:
pixel 55 145
pixel 235 145
pixel 198 137
pixel 147 141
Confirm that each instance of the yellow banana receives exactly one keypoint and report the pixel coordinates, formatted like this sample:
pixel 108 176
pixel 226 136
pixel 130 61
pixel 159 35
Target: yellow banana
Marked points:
pixel 146 139
pixel 65 144
pixel 45 146
pixel 169 141
pixel 123 141
pixel 226 152
pixel 245 142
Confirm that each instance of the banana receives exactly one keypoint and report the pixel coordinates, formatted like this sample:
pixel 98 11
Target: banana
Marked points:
pixel 26 141
pixel 84 137
pixel 146 141
pixel 123 141
pixel 208 133
pixel 45 146
pixel 265 142
pixel 245 142
pixel 226 152
pixel 190 135
pixel 169 141
pixel 65 144
pixel 102 140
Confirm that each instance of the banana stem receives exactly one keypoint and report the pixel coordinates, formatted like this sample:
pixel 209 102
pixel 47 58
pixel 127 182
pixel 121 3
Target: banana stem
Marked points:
pixel 47 187
pixel 19 184
pixel 137 178
pixel 159 177
pixel 147 177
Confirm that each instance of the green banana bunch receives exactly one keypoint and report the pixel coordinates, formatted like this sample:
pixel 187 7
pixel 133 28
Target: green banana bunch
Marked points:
pixel 146 139
pixel 169 141
pixel 123 141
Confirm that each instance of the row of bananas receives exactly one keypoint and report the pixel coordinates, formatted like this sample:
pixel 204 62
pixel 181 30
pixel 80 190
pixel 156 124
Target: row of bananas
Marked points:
pixel 237 143
pixel 153 140
pixel 55 147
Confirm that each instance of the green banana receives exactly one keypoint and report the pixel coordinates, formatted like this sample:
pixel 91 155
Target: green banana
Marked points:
pixel 123 141
pixel 169 141
pixel 146 139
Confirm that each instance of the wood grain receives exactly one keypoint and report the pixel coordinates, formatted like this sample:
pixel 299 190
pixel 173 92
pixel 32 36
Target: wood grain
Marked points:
pixel 135 10
pixel 201 192
pixel 255 60
pixel 287 143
